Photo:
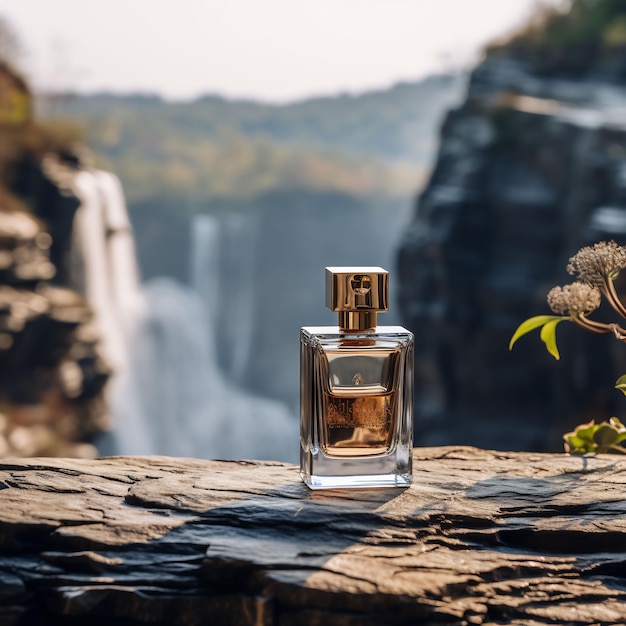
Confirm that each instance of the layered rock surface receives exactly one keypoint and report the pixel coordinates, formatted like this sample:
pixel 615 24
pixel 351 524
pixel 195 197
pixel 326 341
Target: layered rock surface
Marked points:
pixel 479 538
pixel 529 169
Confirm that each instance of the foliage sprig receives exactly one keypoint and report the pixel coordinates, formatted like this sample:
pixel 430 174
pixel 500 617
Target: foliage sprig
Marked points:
pixel 596 268
pixel 592 438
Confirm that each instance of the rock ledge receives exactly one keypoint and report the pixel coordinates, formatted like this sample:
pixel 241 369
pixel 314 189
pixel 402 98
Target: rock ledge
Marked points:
pixel 481 537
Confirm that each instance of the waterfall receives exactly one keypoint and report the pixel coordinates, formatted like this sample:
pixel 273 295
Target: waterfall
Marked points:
pixel 104 245
pixel 123 269
pixel 94 281
pixel 247 424
pixel 196 411
pixel 168 394
pixel 240 292
pixel 205 266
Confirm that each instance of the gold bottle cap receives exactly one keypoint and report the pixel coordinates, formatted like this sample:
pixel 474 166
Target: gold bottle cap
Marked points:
pixel 357 294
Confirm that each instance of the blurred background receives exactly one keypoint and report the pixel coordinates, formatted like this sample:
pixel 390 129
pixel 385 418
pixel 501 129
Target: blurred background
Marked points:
pixel 174 177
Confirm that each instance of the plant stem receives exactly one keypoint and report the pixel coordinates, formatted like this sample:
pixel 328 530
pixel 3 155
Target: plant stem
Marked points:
pixel 612 297
pixel 594 327
pixel 599 327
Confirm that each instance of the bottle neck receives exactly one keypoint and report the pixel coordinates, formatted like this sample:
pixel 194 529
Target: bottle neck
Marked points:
pixel 357 321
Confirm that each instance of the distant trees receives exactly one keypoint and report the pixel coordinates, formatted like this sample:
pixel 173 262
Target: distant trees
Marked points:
pixel 572 39
pixel 193 155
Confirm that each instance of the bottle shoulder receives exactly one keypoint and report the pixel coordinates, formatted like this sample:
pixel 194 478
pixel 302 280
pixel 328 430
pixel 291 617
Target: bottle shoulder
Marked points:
pixel 331 335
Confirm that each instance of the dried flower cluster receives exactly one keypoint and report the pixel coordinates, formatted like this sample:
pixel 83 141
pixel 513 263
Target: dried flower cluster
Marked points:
pixel 575 299
pixel 598 263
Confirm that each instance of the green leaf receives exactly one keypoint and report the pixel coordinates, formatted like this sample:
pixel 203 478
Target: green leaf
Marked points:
pixel 581 441
pixel 548 336
pixel 620 384
pixel 574 441
pixel 574 445
pixel 605 436
pixel 585 431
pixel 530 324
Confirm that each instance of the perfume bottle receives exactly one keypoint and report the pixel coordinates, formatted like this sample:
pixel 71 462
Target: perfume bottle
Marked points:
pixel 356 389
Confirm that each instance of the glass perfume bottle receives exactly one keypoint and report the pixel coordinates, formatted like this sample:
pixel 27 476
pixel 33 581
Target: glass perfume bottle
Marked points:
pixel 356 389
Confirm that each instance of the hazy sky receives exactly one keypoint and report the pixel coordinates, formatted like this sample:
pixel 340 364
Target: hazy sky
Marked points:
pixel 274 50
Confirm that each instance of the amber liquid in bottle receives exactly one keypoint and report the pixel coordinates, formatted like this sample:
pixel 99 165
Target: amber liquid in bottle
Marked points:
pixel 359 425
pixel 358 412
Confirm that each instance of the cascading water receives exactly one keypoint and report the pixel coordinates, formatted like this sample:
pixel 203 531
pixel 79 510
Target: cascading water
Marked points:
pixel 197 411
pixel 168 395
pixel 248 425
pixel 239 289
pixel 92 249
pixel 104 246
pixel 204 265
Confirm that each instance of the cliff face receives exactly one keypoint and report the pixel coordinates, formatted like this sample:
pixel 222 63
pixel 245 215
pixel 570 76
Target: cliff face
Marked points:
pixel 51 373
pixel 529 169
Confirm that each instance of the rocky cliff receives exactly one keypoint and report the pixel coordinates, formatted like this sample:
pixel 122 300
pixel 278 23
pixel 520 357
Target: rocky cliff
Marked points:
pixel 530 167
pixel 52 374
